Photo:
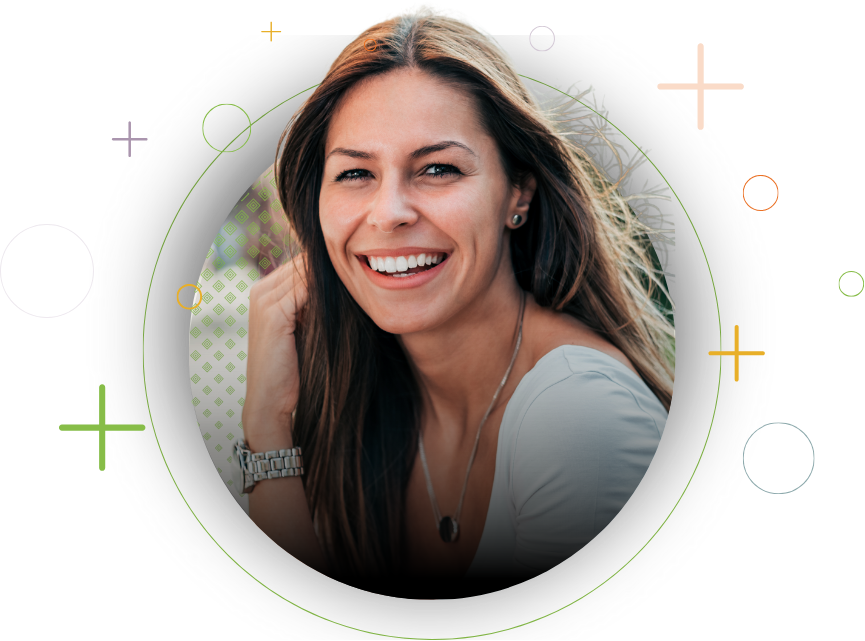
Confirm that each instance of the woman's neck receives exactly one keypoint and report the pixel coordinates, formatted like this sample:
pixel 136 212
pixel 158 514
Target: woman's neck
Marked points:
pixel 460 364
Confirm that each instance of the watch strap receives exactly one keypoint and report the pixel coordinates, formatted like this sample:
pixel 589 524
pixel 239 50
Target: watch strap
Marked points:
pixel 260 466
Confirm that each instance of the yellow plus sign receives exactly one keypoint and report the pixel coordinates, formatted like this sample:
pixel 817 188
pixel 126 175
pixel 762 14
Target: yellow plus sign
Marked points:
pixel 736 353
pixel 271 32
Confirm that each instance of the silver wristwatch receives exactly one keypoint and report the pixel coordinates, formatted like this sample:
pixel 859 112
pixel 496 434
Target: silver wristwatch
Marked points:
pixel 258 466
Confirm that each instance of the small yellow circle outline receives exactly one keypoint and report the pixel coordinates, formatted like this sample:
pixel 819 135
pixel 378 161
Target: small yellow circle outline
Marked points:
pixel 199 296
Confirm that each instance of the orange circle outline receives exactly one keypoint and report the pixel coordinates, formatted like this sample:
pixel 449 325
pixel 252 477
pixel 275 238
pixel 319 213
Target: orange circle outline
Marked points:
pixel 745 200
pixel 777 191
pixel 200 296
pixel 373 42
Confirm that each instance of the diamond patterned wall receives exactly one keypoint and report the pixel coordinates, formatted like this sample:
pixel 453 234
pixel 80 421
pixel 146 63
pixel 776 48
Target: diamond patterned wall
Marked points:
pixel 253 242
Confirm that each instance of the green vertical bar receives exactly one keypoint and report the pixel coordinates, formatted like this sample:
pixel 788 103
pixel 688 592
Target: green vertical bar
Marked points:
pixel 102 449
pixel 102 409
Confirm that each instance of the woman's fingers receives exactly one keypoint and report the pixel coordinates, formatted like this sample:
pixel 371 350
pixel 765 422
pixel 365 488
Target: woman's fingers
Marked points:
pixel 283 279
pixel 284 290
pixel 272 367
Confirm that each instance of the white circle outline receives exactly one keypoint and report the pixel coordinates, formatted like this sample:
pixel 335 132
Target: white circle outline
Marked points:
pixel 541 27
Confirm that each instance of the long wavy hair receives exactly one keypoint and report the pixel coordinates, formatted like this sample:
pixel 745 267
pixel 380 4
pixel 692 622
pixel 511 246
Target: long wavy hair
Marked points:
pixel 582 252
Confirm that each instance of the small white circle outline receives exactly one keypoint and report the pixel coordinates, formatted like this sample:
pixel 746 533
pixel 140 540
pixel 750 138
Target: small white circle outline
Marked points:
pixel 542 27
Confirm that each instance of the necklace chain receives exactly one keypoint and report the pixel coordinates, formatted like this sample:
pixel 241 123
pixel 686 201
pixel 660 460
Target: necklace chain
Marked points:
pixel 436 512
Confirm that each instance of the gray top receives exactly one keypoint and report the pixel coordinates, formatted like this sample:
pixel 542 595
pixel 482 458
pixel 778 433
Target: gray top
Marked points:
pixel 576 439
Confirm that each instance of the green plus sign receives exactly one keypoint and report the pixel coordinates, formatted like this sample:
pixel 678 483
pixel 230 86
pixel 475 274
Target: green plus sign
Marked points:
pixel 82 484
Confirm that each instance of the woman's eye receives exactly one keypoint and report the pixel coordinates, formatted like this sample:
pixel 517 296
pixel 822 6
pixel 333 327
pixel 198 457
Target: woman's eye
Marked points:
pixel 437 170
pixel 434 170
pixel 350 175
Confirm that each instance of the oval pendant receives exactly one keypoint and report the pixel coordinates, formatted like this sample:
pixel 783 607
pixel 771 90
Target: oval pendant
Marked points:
pixel 449 530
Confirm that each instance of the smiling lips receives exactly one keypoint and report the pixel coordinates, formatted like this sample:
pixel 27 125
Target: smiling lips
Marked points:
pixel 403 266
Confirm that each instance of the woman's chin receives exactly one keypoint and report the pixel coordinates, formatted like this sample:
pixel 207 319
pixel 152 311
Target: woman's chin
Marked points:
pixel 407 319
pixel 401 326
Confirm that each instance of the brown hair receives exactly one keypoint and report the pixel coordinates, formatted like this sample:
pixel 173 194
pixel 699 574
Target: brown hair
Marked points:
pixel 581 252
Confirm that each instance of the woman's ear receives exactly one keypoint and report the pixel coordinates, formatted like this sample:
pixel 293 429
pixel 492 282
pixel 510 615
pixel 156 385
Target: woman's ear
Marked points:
pixel 523 194
pixel 527 191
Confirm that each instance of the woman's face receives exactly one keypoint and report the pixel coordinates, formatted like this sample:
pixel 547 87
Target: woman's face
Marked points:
pixel 414 202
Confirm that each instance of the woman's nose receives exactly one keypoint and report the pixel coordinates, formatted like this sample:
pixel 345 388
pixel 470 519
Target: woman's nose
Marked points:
pixel 391 207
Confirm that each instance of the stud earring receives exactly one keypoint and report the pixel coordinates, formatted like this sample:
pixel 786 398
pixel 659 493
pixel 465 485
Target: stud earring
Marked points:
pixel 517 219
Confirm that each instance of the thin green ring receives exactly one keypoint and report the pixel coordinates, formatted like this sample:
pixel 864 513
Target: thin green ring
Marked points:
pixel 711 423
pixel 248 131
pixel 845 293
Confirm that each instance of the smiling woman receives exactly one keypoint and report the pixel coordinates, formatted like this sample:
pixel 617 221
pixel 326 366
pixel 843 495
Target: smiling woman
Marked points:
pixel 463 374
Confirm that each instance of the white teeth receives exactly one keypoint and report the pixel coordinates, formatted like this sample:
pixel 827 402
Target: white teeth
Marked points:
pixel 394 264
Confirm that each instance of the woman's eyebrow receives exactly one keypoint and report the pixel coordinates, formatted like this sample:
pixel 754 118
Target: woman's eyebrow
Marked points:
pixel 439 146
pixel 417 153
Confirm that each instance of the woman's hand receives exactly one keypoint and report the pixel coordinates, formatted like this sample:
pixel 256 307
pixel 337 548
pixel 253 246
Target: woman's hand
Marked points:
pixel 273 377
pixel 278 506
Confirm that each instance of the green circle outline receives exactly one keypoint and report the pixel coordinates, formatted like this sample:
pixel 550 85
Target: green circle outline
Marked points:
pixel 845 293
pixel 705 444
pixel 248 131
